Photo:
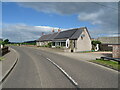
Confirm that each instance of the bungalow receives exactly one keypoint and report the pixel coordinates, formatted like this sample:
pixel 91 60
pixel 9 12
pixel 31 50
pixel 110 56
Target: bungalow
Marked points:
pixel 73 40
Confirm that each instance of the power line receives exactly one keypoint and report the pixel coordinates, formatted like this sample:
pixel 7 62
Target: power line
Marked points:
pixel 104 5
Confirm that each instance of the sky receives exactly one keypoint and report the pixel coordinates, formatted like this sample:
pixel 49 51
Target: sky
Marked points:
pixel 24 21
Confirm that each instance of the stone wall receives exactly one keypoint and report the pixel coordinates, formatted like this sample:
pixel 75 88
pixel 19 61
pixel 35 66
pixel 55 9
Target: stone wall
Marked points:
pixel 116 51
pixel 105 47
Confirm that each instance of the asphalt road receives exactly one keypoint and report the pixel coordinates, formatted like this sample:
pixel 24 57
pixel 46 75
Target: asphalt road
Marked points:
pixel 33 70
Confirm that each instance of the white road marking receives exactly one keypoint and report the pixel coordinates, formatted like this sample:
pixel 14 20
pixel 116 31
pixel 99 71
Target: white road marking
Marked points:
pixel 68 76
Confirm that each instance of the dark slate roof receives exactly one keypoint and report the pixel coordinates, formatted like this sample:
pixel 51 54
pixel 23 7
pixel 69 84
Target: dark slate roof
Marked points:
pixel 63 35
pixel 77 34
pixel 48 37
pixel 53 36
pixel 70 34
pixel 44 37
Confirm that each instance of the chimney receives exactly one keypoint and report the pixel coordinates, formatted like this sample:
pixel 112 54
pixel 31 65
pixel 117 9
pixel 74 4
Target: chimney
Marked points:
pixel 59 30
pixel 53 30
pixel 42 33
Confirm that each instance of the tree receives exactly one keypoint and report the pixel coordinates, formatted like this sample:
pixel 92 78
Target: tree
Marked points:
pixel 1 42
pixel 94 43
pixel 6 41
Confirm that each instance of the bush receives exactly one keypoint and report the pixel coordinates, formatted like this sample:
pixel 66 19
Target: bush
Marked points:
pixel 45 45
pixel 49 44
pixel 95 42
pixel 58 47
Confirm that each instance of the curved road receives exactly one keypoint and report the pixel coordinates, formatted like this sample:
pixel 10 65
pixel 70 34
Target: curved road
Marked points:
pixel 33 70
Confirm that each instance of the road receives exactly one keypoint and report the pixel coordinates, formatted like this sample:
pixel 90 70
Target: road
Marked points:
pixel 33 70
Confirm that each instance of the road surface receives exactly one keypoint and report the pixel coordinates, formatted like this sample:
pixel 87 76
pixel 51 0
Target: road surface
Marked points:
pixel 34 70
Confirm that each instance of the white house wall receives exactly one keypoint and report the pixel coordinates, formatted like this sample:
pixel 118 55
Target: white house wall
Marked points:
pixel 85 44
pixel 37 43
pixel 41 43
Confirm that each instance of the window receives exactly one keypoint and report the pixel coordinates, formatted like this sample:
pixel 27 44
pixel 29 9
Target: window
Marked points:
pixel 63 43
pixel 82 37
pixel 53 43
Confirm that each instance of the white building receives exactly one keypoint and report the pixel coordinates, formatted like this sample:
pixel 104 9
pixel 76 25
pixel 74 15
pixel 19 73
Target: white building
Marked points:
pixel 73 40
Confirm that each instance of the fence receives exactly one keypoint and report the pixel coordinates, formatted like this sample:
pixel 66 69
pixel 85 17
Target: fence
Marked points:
pixel 109 58
pixel 4 50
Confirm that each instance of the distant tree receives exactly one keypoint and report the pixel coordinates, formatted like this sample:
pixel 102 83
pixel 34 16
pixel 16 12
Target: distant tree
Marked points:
pixel 6 41
pixel 1 42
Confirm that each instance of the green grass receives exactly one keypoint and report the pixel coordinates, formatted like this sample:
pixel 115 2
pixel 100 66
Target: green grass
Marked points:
pixel 11 44
pixel 1 58
pixel 111 64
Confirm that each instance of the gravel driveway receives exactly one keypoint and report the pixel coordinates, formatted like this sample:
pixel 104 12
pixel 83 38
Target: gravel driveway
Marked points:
pixel 86 56
pixel 79 56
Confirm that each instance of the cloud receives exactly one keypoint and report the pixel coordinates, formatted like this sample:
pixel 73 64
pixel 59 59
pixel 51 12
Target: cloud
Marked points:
pixel 103 19
pixel 101 14
pixel 92 17
pixel 69 7
pixel 23 32
pixel 61 8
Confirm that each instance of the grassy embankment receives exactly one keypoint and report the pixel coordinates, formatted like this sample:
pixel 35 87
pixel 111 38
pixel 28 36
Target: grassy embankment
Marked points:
pixel 111 64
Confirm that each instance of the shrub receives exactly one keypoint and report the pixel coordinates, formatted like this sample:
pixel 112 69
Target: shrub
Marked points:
pixel 49 44
pixel 94 43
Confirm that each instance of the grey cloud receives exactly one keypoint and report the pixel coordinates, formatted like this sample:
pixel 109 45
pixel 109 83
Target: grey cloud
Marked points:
pixel 102 14
pixel 62 8
pixel 92 17
pixel 69 7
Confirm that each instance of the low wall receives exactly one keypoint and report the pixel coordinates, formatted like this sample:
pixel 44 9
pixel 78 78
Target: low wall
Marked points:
pixel 105 47
pixel 116 51
pixel 0 51
pixel 4 50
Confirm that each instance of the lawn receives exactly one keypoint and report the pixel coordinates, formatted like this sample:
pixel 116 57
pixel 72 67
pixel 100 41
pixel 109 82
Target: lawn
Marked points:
pixel 111 64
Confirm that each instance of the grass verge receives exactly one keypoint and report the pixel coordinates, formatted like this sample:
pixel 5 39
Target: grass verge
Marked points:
pixel 111 64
